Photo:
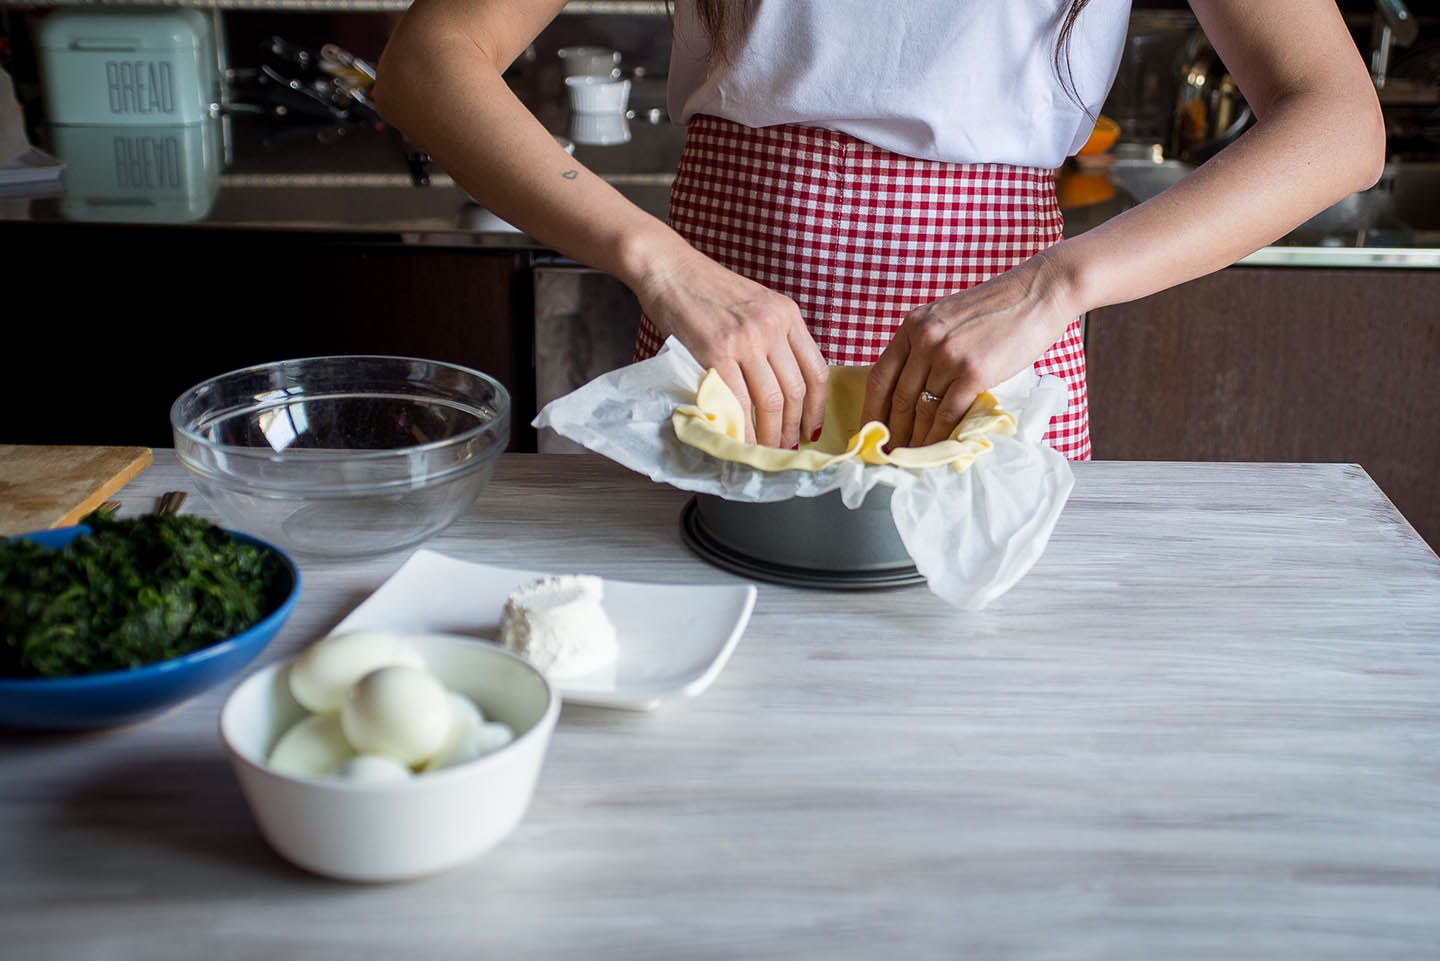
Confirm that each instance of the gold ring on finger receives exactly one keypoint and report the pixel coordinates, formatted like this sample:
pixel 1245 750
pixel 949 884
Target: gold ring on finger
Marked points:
pixel 929 398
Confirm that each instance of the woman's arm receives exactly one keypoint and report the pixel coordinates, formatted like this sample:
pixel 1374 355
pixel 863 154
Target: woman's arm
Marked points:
pixel 440 80
pixel 1318 137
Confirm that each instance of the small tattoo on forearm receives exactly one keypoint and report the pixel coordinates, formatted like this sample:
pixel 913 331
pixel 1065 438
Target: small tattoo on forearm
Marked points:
pixel 570 174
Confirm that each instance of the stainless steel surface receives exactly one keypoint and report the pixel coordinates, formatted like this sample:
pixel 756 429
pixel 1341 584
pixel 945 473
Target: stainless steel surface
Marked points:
pixel 1400 214
pixel 1406 258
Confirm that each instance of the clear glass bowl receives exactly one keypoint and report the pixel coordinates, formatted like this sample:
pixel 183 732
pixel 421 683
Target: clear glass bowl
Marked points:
pixel 345 456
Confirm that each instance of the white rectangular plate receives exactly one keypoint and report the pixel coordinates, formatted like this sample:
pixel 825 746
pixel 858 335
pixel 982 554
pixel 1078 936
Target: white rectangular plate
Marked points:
pixel 674 639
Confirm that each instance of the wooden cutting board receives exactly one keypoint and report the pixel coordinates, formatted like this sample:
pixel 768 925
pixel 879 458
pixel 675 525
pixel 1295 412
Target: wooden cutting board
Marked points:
pixel 43 487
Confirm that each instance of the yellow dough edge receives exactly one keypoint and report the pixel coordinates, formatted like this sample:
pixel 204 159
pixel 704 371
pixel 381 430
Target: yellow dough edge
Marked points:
pixel 715 424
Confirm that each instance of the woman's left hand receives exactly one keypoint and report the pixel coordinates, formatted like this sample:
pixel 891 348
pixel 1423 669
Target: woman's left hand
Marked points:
pixel 946 352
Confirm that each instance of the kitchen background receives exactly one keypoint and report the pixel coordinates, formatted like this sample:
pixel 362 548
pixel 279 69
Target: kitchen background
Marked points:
pixel 289 221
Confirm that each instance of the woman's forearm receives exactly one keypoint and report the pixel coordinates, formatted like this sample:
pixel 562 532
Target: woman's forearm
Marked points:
pixel 1319 136
pixel 445 90
pixel 1302 158
pixel 441 81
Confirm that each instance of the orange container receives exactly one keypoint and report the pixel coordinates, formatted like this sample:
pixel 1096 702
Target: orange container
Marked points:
pixel 1102 138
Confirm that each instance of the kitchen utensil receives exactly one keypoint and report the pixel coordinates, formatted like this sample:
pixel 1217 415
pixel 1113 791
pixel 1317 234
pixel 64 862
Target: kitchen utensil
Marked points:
pixel 802 541
pixel 342 456
pixel 296 82
pixel 394 831
pixel 334 57
pixel 114 698
pixel 45 486
pixel 1393 24
pixel 1210 111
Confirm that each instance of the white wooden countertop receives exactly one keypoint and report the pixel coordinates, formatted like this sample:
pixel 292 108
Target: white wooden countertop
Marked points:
pixel 1206 725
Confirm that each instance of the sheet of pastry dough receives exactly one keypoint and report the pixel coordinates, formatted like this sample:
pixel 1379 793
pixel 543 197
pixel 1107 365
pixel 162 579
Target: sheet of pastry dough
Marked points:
pixel 715 424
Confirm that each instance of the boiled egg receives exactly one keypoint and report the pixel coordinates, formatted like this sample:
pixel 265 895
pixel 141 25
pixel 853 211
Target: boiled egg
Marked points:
pixel 313 747
pixel 399 712
pixel 321 676
pixel 470 737
pixel 373 769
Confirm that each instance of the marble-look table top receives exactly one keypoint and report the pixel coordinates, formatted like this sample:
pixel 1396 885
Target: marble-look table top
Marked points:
pixel 1205 725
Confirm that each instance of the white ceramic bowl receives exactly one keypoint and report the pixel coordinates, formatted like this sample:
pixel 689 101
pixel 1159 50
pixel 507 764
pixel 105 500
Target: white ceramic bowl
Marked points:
pixel 598 94
pixel 395 831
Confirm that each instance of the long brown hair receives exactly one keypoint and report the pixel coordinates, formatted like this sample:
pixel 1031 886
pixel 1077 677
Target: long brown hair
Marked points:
pixel 725 20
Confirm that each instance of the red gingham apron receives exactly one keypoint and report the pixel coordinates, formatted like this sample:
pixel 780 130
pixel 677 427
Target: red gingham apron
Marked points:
pixel 857 236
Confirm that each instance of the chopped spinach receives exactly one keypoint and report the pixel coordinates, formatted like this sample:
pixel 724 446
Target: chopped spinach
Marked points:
pixel 132 592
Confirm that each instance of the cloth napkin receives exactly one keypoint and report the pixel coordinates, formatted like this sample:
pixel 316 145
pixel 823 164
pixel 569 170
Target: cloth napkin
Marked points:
pixel 20 163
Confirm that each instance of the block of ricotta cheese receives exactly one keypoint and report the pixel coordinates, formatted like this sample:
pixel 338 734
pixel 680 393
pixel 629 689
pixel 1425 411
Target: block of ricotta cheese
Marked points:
pixel 558 623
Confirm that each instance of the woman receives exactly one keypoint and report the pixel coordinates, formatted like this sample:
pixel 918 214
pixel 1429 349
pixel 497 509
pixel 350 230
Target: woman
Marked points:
pixel 886 166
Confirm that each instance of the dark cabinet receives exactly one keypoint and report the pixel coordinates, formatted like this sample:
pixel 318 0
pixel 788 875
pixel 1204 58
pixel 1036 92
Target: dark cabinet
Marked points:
pixel 1279 364
pixel 111 324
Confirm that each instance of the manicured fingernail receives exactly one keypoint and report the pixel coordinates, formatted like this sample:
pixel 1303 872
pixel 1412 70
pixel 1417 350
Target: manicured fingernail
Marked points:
pixel 795 446
pixel 815 434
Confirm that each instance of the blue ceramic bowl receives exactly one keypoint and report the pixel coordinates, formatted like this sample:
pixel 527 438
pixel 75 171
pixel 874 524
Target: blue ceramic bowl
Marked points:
pixel 114 698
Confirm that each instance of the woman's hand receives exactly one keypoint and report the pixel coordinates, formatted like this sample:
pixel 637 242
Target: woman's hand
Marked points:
pixel 754 337
pixel 945 353
pixel 479 131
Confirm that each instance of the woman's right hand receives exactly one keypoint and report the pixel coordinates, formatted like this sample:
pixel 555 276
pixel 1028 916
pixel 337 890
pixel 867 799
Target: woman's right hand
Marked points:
pixel 441 81
pixel 752 336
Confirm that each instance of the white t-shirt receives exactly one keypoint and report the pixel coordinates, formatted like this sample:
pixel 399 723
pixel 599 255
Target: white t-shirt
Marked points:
pixel 964 81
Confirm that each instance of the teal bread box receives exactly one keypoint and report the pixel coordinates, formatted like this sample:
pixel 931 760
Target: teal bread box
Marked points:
pixel 132 174
pixel 115 67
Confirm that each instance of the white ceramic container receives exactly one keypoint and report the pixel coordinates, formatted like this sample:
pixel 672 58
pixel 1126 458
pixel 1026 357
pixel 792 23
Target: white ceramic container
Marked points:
pixel 399 830
pixel 599 129
pixel 589 61
pixel 598 94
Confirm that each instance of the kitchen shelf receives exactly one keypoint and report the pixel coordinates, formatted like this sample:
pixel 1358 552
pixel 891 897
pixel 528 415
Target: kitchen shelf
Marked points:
pixel 586 7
